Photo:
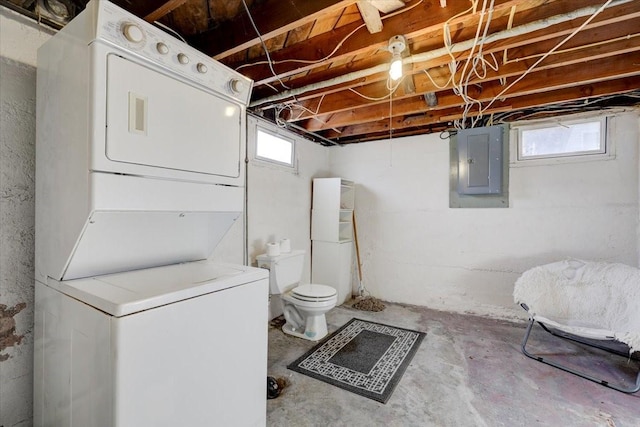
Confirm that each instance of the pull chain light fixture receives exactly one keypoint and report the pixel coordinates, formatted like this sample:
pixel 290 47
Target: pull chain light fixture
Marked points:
pixel 396 45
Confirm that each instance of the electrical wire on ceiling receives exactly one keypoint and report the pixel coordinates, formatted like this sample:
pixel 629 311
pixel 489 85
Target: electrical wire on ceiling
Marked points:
pixel 475 60
pixel 542 58
pixel 477 65
pixel 335 49
pixel 572 49
pixel 289 106
pixel 304 109
pixel 392 88
pixel 462 46
pixel 594 104
pixel 264 46
pixel 390 119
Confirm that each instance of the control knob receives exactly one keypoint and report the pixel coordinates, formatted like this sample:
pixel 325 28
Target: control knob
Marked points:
pixel 183 59
pixel 202 68
pixel 162 48
pixel 235 86
pixel 133 33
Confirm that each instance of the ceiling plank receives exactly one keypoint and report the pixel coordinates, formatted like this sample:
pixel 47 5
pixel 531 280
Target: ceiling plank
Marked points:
pixel 140 8
pixel 163 10
pixel 272 17
pixel 576 93
pixel 299 34
pixel 619 30
pixel 540 81
pixel 435 42
pixel 326 22
pixel 346 100
pixel 190 18
pixel 423 19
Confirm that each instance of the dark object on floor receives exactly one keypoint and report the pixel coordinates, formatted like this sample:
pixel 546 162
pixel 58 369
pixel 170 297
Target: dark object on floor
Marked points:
pixel 588 342
pixel 273 388
pixel 368 304
pixel 277 322
pixel 362 357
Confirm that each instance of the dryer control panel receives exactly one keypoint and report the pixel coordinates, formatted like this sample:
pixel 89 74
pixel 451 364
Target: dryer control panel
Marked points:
pixel 123 29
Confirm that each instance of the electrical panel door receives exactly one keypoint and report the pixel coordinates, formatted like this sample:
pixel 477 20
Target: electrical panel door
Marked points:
pixel 480 160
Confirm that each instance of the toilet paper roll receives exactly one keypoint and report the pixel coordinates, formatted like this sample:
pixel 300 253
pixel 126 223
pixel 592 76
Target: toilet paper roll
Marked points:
pixel 273 249
pixel 285 246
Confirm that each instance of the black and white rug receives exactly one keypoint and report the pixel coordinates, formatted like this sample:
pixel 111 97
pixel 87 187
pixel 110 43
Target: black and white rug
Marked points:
pixel 363 357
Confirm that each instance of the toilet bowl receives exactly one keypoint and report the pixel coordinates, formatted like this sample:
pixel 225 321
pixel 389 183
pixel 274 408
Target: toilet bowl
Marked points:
pixel 304 306
pixel 304 310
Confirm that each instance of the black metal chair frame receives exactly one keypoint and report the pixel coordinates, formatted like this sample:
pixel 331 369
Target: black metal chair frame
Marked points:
pixel 532 321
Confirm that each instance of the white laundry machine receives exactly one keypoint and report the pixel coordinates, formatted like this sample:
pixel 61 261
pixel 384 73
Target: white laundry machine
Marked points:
pixel 140 153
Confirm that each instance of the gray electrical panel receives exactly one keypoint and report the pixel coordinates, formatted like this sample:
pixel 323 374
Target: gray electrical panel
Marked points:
pixel 480 160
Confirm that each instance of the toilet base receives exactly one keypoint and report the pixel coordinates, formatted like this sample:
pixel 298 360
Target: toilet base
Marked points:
pixel 315 330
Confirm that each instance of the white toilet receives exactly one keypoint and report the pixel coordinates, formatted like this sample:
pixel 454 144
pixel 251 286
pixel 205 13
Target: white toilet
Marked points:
pixel 304 306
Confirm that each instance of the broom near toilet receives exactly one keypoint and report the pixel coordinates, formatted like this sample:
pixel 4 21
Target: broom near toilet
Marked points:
pixel 364 300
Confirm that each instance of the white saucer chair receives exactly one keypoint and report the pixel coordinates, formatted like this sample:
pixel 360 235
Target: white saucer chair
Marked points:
pixel 593 303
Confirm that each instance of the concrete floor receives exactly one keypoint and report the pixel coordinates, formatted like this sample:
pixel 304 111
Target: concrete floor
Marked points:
pixel 469 371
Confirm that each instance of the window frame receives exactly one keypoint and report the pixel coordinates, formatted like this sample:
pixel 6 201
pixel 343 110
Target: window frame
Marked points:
pixel 260 128
pixel 605 152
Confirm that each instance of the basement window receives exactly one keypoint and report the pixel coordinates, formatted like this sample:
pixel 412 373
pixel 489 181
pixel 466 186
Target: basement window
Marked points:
pixel 560 139
pixel 274 148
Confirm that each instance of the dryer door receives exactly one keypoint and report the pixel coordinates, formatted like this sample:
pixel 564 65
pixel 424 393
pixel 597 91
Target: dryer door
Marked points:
pixel 156 120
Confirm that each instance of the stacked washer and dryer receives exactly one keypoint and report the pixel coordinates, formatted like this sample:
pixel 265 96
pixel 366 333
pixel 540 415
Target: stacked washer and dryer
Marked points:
pixel 139 175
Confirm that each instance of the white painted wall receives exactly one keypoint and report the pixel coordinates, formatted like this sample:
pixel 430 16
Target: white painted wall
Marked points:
pixel 19 41
pixel 280 199
pixel 417 250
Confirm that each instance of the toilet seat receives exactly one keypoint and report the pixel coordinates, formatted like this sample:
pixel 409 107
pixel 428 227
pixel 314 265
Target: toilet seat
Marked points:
pixel 314 293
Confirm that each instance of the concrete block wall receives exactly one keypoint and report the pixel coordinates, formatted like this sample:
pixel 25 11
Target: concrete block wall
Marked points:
pixel 19 41
pixel 417 250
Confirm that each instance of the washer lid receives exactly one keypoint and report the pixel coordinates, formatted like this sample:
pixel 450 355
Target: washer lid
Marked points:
pixel 314 291
pixel 121 294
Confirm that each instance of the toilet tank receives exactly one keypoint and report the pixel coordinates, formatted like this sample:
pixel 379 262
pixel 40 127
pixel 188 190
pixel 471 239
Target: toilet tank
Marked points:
pixel 285 270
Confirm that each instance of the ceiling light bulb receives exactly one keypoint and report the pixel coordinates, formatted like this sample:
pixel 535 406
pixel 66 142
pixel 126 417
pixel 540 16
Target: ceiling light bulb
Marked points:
pixel 397 44
pixel 395 72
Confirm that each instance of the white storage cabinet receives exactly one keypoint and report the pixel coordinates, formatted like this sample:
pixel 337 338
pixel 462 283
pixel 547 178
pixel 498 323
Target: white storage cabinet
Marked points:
pixel 332 234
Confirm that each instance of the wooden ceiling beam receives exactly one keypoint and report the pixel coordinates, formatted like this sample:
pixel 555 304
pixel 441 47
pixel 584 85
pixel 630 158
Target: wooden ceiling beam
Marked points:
pixel 347 100
pixel 139 8
pixel 560 96
pixel 272 18
pixel 424 19
pixel 466 31
pixel 538 82
pixel 163 10
pixel 624 12
pixel 624 31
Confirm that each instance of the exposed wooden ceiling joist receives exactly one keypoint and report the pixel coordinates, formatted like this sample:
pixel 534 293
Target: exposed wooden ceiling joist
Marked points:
pixel 546 98
pixel 321 52
pixel 545 80
pixel 164 10
pixel 458 49
pixel 271 17
pixel 346 100
pixel 424 19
